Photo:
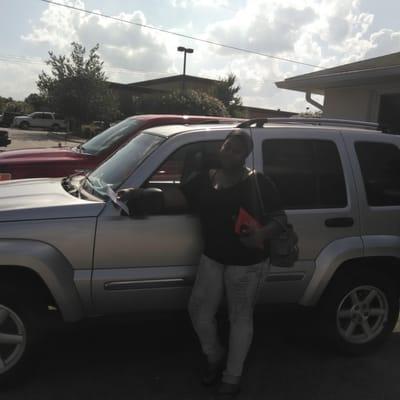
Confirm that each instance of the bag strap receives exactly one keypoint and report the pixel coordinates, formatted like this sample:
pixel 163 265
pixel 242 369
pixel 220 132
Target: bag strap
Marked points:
pixel 255 184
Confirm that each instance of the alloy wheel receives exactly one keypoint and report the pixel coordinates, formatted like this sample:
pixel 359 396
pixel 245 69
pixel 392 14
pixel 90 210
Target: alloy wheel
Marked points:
pixel 362 314
pixel 13 339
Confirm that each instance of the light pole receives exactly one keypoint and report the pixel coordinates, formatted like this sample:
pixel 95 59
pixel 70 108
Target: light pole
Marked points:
pixel 185 50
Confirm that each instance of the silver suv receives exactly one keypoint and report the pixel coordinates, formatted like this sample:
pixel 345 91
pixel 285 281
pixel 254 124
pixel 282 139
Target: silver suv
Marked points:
pixel 66 245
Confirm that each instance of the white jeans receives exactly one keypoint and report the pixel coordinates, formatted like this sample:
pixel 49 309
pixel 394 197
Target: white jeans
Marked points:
pixel 241 285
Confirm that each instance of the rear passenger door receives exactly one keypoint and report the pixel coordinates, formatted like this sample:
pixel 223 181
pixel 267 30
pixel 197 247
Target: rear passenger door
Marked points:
pixel 376 165
pixel 308 167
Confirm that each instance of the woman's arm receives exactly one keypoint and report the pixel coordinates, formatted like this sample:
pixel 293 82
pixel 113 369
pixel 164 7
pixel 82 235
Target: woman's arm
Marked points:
pixel 276 216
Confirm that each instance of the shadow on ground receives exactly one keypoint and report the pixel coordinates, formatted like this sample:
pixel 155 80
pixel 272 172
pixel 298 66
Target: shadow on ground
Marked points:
pixel 143 358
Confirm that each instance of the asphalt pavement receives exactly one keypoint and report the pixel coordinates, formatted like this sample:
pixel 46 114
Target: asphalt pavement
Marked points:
pixel 22 139
pixel 143 358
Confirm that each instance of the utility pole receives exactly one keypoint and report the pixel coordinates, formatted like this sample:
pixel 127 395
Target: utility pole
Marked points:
pixel 185 51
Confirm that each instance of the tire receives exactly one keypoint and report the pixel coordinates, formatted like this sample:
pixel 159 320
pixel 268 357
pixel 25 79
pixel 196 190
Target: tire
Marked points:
pixel 18 336
pixel 24 125
pixel 359 310
pixel 55 127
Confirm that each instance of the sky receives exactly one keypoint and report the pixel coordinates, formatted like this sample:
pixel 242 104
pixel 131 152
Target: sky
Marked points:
pixel 324 33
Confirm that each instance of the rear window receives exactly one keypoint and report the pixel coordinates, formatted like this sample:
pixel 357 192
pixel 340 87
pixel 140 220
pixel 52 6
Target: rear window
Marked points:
pixel 307 173
pixel 380 169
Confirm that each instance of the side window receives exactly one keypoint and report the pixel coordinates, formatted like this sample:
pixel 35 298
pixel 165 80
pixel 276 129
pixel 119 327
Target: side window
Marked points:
pixel 37 115
pixel 46 116
pixel 184 161
pixel 307 173
pixel 181 161
pixel 380 168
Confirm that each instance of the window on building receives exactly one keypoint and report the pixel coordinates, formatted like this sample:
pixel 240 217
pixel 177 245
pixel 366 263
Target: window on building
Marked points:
pixel 307 173
pixel 380 168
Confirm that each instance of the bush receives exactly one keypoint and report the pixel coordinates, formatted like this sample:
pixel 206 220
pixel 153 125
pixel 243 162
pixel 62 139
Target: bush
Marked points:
pixel 189 102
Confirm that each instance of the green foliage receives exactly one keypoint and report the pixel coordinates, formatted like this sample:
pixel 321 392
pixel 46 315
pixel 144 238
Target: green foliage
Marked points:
pixel 189 102
pixel 227 91
pixel 77 86
pixel 11 105
pixel 37 102
pixel 310 114
pixel 4 101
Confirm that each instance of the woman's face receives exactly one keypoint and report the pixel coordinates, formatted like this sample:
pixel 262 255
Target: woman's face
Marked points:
pixel 232 153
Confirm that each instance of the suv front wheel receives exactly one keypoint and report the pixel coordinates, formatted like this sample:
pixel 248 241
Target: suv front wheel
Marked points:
pixel 24 125
pixel 16 338
pixel 359 310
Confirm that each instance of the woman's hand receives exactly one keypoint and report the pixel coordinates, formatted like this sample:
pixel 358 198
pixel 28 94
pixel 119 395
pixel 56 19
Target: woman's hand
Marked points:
pixel 253 238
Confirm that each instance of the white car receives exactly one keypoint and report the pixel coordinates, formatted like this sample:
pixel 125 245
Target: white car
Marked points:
pixel 47 120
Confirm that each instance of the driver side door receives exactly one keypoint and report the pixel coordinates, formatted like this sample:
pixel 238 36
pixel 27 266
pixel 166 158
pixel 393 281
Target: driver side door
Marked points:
pixel 143 263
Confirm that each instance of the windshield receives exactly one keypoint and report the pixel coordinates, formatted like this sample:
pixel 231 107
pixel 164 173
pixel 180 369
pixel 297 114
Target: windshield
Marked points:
pixel 120 166
pixel 111 136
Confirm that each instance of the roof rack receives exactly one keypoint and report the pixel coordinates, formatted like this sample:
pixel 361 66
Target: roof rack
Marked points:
pixel 260 122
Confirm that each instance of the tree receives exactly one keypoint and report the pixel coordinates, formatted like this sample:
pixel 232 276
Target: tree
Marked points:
pixel 18 106
pixel 227 92
pixel 4 101
pixel 37 102
pixel 77 86
pixel 189 102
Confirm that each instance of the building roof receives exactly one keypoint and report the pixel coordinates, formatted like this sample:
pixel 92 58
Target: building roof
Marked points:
pixel 174 78
pixel 371 71
pixel 142 89
pixel 269 110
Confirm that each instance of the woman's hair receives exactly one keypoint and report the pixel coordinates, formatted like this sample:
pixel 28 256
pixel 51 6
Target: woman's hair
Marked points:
pixel 244 137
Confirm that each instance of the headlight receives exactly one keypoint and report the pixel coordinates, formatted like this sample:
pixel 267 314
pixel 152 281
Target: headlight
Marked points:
pixel 5 176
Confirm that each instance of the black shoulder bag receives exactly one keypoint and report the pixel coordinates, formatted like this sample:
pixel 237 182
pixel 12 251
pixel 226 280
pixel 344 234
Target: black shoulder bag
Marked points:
pixel 283 249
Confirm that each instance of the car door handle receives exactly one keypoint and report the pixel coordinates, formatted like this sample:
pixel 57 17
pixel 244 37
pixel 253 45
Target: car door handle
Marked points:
pixel 339 222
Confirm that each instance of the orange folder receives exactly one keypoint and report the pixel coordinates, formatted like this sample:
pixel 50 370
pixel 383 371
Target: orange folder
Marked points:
pixel 244 220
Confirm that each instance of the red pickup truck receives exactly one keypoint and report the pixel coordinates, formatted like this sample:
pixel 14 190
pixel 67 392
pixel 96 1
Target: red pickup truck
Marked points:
pixel 57 162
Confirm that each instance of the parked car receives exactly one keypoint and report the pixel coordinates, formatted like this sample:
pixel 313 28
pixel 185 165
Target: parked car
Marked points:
pixel 58 162
pixel 46 120
pixel 340 189
pixel 7 118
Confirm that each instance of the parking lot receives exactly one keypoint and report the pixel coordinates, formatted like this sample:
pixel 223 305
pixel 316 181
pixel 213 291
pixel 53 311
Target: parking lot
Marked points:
pixel 21 139
pixel 149 358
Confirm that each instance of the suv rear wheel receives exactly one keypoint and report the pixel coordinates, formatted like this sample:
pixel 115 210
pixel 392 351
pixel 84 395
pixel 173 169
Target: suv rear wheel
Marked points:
pixel 55 127
pixel 359 310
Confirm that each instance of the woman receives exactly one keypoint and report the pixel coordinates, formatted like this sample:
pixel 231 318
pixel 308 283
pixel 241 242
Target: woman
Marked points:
pixel 233 261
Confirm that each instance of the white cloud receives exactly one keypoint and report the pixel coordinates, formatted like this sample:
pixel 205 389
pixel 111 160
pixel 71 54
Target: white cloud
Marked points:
pixel 19 79
pixel 199 3
pixel 121 45
pixel 383 42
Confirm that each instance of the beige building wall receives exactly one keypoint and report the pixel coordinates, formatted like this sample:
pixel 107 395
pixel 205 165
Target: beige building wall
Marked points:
pixel 348 103
pixel 357 103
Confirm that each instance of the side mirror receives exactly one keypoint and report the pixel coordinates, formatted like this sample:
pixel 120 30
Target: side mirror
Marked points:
pixel 146 201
